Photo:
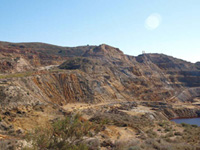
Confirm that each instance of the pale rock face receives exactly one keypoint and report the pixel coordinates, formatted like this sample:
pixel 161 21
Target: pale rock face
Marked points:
pixel 23 64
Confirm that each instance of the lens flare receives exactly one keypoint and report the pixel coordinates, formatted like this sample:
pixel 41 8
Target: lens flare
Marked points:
pixel 153 21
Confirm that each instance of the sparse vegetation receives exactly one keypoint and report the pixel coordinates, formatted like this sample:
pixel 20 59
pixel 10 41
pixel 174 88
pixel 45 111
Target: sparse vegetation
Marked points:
pixel 127 145
pixel 121 119
pixel 16 75
pixel 178 134
pixel 77 63
pixel 151 133
pixel 68 133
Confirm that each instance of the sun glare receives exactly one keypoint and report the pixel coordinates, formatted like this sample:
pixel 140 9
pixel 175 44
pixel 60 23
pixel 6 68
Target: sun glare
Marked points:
pixel 153 21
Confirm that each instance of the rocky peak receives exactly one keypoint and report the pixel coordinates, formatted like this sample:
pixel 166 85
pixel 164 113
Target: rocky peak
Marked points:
pixel 104 50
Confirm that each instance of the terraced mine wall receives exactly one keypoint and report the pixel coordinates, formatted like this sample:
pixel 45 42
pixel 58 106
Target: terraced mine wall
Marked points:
pixel 176 113
pixel 173 113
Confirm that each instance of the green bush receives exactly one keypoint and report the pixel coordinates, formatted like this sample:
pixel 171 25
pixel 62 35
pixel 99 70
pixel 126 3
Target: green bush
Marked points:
pixel 170 134
pixel 151 133
pixel 127 145
pixel 178 133
pixel 167 129
pixel 159 129
pixel 63 134
pixel 186 125
pixel 194 125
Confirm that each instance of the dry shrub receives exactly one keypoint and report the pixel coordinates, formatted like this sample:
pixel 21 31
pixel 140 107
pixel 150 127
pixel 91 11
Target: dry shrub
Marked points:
pixel 68 133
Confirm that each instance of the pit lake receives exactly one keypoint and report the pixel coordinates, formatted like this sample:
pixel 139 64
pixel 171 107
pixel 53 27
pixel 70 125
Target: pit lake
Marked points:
pixel 195 121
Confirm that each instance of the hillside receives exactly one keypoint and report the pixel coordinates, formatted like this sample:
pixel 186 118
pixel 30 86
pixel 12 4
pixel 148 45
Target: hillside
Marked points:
pixel 41 82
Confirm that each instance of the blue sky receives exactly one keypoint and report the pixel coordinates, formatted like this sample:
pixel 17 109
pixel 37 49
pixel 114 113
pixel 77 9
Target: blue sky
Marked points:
pixel 120 23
